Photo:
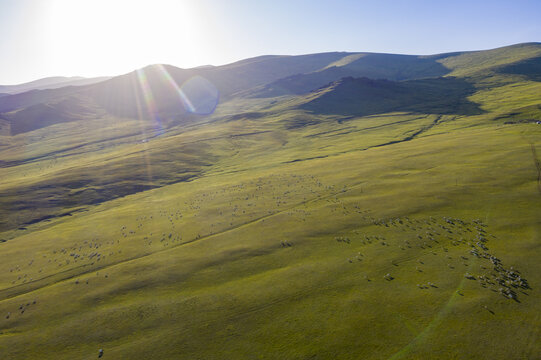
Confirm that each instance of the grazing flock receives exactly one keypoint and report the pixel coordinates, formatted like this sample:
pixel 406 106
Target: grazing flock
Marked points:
pixel 209 212
pixel 432 236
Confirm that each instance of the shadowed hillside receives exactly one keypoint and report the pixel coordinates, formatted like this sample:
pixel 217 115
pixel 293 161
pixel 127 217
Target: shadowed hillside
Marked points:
pixel 364 96
pixel 153 92
pixel 71 108
pixel 530 69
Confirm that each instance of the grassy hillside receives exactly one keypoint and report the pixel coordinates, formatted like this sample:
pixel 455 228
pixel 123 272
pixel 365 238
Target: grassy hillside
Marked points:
pixel 369 219
pixel 471 63
pixel 374 66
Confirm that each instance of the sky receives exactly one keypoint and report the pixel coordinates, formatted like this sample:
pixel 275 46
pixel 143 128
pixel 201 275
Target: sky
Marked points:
pixel 41 38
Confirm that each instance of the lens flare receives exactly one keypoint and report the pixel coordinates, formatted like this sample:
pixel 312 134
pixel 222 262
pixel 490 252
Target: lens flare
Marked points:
pixel 141 117
pixel 197 94
pixel 203 95
pixel 149 99
pixel 147 92
pixel 183 98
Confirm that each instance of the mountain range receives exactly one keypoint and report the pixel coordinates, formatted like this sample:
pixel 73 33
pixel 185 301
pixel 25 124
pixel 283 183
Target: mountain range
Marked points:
pixel 395 78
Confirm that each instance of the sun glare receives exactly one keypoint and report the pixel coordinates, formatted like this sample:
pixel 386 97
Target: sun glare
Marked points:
pixel 121 35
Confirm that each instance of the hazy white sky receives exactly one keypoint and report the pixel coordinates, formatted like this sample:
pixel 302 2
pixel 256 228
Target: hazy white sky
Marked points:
pixel 40 38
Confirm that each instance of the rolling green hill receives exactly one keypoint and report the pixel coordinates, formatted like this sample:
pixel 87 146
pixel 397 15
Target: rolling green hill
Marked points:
pixel 332 206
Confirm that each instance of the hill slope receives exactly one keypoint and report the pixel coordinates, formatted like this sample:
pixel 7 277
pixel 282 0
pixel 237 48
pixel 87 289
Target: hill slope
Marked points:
pixel 366 219
pixel 374 66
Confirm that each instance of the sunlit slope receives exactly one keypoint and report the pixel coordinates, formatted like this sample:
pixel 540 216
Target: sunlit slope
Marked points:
pixel 68 166
pixel 104 166
pixel 496 60
pixel 291 261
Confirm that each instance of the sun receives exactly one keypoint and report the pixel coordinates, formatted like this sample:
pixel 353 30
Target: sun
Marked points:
pixel 115 36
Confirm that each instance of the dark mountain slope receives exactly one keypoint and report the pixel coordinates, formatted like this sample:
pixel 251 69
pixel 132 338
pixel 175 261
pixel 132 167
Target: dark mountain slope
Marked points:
pixel 123 94
pixel 153 92
pixel 244 75
pixel 33 97
pixel 228 79
pixel 71 108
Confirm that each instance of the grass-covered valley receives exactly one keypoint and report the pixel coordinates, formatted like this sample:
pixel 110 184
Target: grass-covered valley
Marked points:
pixel 325 206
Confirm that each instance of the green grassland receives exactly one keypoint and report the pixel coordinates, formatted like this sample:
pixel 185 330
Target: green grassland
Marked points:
pixel 272 230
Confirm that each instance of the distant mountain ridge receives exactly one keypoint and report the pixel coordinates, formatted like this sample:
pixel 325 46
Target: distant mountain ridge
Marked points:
pixel 53 82
pixel 156 91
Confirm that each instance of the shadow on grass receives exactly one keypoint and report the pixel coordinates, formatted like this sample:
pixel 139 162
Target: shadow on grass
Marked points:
pixel 363 96
pixel 530 68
